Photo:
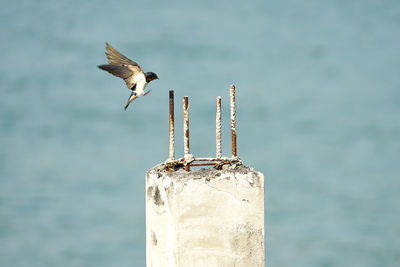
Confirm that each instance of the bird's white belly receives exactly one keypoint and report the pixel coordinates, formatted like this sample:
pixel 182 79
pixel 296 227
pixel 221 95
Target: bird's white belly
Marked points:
pixel 140 88
pixel 141 84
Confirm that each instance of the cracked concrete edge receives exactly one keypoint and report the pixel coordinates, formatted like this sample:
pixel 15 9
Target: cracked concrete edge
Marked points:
pixel 207 174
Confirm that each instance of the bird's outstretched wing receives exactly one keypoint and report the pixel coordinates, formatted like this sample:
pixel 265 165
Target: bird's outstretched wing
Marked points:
pixel 123 67
pixel 128 73
pixel 120 71
pixel 116 58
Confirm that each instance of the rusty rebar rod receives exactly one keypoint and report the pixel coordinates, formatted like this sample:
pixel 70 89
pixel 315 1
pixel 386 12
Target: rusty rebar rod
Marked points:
pixel 218 147
pixel 208 159
pixel 233 120
pixel 204 164
pixel 186 149
pixel 191 161
pixel 171 126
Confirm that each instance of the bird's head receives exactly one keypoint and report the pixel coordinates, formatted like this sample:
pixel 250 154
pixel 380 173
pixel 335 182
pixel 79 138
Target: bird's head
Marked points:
pixel 150 76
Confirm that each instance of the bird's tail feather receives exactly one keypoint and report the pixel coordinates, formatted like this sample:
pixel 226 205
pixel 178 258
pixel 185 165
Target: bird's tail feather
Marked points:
pixel 130 99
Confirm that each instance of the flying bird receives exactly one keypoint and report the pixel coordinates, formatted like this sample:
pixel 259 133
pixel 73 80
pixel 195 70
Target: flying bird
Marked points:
pixel 136 80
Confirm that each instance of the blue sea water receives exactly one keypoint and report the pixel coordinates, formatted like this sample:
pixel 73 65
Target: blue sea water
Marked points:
pixel 318 103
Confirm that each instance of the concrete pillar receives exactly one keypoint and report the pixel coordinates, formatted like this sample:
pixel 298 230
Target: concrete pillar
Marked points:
pixel 205 217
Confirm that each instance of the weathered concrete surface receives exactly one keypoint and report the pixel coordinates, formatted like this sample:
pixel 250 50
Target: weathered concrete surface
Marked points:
pixel 205 217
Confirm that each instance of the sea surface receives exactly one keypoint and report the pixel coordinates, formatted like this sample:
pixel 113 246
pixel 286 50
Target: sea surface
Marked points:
pixel 318 106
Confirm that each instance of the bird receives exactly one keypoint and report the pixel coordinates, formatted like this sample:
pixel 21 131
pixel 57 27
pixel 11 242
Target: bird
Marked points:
pixel 136 80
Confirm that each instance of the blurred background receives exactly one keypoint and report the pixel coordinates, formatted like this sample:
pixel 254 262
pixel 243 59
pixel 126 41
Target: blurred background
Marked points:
pixel 318 102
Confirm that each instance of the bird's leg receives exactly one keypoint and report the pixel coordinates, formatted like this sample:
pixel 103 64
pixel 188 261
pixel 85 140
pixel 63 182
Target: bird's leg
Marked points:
pixel 146 92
